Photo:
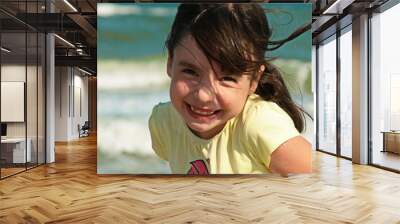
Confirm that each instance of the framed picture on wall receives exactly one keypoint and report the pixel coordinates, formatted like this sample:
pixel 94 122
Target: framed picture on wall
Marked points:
pixel 176 80
pixel 12 101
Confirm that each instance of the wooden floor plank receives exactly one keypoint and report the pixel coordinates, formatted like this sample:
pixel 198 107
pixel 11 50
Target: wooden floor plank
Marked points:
pixel 70 191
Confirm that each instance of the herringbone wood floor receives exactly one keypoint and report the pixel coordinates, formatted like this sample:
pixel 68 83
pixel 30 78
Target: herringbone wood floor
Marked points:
pixel 70 191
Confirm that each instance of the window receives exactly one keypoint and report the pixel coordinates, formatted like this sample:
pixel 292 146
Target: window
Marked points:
pixel 385 89
pixel 327 95
pixel 346 92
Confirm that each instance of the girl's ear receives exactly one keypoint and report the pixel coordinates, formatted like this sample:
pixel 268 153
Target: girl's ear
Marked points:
pixel 169 65
pixel 254 82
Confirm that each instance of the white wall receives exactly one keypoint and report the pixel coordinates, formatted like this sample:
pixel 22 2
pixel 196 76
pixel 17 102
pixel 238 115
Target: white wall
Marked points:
pixel 70 84
pixel 62 81
pixel 10 73
pixel 13 73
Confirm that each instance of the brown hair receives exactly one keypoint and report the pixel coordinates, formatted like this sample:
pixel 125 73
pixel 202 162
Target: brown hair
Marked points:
pixel 228 33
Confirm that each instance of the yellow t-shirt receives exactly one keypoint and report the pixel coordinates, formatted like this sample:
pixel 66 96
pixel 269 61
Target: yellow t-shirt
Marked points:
pixel 244 146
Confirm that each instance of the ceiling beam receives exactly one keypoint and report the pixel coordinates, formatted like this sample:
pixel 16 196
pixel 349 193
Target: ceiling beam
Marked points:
pixel 78 61
pixel 86 26
pixel 337 6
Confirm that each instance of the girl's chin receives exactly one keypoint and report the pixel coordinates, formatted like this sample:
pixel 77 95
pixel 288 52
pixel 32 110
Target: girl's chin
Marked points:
pixel 198 128
pixel 204 131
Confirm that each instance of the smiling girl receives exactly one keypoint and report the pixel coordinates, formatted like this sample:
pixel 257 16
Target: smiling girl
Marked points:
pixel 230 111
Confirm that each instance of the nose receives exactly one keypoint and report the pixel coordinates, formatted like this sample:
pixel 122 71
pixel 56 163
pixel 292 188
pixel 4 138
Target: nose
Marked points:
pixel 206 90
pixel 205 93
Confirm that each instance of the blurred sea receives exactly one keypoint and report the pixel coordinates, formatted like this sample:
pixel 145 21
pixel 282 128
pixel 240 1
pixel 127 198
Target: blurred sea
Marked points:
pixel 127 92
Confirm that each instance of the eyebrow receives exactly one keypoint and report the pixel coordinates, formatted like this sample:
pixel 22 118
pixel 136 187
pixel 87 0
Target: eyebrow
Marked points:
pixel 197 69
pixel 188 64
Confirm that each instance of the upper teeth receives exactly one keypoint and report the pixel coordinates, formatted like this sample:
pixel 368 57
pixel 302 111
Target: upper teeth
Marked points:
pixel 201 111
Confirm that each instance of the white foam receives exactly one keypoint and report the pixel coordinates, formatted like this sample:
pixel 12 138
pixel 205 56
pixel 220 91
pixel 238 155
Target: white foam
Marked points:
pixel 110 9
pixel 132 75
pixel 160 11
pixel 121 135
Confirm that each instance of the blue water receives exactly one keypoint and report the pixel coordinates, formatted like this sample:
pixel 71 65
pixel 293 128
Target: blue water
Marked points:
pixel 129 104
pixel 142 34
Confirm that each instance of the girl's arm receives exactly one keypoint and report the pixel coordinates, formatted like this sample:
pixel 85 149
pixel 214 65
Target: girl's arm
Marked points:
pixel 292 156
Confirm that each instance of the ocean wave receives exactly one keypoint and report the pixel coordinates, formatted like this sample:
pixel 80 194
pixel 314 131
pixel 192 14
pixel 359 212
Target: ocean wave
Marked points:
pixel 109 9
pixel 129 104
pixel 124 135
pixel 132 75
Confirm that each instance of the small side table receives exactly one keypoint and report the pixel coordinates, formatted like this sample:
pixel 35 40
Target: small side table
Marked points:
pixel 391 141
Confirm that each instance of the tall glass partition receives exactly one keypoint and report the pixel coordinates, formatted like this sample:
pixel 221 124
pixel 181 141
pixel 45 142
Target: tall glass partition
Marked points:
pixel 14 153
pixel 22 76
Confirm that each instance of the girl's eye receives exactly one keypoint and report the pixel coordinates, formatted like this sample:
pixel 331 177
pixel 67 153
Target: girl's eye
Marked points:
pixel 228 79
pixel 189 71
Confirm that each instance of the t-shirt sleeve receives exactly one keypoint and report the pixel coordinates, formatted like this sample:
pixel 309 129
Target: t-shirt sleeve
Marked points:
pixel 267 127
pixel 155 126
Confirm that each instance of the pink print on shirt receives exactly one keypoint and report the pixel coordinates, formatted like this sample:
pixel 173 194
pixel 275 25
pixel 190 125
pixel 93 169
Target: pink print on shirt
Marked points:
pixel 198 167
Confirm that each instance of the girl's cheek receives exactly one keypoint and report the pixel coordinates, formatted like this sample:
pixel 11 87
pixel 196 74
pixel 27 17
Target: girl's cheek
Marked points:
pixel 225 97
pixel 231 98
pixel 187 85
pixel 181 87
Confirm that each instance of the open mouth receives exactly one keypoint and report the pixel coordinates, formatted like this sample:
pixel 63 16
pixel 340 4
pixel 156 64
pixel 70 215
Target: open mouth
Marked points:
pixel 201 113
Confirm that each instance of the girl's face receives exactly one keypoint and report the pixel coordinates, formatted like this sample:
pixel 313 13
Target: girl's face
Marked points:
pixel 205 97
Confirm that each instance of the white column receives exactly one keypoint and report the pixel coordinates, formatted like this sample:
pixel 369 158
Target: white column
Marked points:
pixel 360 90
pixel 50 92
pixel 50 110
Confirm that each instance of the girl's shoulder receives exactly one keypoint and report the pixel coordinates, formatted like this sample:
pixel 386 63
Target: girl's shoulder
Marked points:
pixel 163 113
pixel 264 114
pixel 265 126
pixel 163 109
pixel 257 106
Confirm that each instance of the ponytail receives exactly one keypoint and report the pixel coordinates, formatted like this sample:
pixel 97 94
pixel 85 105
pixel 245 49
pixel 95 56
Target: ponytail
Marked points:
pixel 271 87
